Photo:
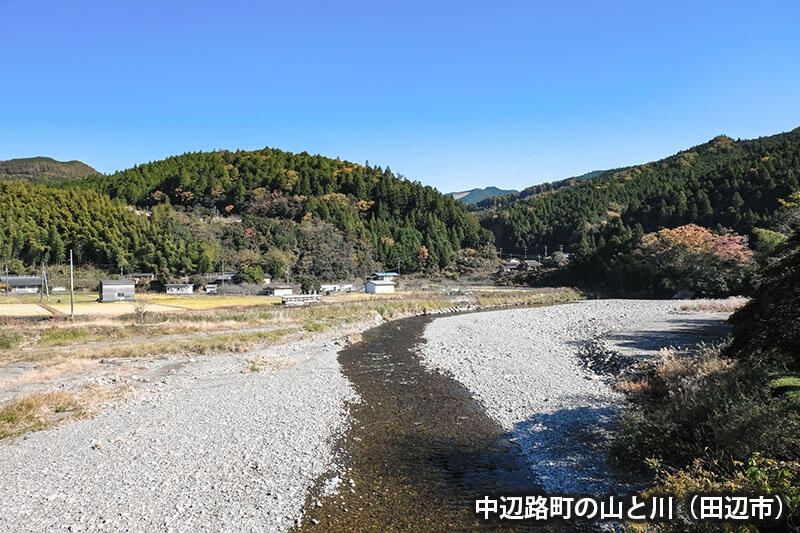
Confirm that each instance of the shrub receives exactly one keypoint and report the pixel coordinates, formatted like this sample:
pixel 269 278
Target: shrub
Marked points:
pixel 708 409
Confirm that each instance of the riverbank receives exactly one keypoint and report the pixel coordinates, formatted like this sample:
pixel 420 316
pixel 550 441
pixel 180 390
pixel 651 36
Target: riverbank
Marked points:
pixel 523 365
pixel 201 441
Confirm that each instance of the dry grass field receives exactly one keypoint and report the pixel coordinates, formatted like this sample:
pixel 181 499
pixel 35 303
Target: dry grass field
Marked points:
pixel 23 310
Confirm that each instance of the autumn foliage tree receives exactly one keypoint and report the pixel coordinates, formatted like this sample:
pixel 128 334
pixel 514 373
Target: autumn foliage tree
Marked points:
pixel 692 259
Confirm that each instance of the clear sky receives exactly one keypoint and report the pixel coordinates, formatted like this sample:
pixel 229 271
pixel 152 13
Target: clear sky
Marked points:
pixel 455 94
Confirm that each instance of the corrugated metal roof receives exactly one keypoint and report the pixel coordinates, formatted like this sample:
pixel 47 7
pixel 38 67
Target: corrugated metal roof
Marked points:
pixel 380 282
pixel 21 281
pixel 117 282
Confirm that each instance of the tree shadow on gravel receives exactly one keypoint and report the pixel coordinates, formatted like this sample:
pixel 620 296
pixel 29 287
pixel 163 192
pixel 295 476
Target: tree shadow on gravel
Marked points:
pixel 567 450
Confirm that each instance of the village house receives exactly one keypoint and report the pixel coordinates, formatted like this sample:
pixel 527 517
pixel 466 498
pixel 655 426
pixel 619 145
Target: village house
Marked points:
pixel 180 288
pixel 21 284
pixel 117 290
pixel 278 290
pixel 385 276
pixel 225 277
pixel 211 288
pixel 379 286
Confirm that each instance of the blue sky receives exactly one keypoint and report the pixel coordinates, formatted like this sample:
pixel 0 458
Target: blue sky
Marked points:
pixel 454 94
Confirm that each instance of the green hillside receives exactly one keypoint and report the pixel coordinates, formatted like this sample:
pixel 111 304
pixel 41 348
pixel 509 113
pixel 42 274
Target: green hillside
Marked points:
pixel 289 215
pixel 43 170
pixel 724 184
pixel 474 196
pixel 735 184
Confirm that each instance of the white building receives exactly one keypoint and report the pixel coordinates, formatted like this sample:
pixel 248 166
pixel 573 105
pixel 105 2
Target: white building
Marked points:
pixel 336 287
pixel 378 286
pixel 278 290
pixel 180 288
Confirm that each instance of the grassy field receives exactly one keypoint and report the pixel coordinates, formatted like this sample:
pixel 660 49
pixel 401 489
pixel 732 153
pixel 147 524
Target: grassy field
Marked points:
pixel 23 310
pixel 206 302
pixel 27 305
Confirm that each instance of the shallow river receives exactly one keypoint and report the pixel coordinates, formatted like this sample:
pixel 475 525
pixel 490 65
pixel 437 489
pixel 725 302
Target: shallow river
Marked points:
pixel 420 449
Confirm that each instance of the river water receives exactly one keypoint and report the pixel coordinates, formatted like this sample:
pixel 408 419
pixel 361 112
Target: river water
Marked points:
pixel 420 449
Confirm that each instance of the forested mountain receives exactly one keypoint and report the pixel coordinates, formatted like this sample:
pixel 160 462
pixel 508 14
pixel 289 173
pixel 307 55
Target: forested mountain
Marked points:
pixel 43 170
pixel 291 215
pixel 723 183
pixel 473 196
pixel 501 200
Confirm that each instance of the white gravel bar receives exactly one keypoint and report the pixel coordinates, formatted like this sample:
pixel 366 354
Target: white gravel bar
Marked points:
pixel 217 448
pixel 523 365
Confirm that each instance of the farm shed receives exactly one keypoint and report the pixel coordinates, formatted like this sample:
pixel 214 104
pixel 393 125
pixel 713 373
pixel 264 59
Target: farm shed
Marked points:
pixel 24 284
pixel 377 286
pixel 117 290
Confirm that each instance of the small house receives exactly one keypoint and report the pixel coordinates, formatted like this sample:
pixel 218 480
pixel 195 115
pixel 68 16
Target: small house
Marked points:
pixel 385 276
pixel 225 277
pixel 21 284
pixel 379 286
pixel 278 290
pixel 117 290
pixel 179 288
pixel 211 288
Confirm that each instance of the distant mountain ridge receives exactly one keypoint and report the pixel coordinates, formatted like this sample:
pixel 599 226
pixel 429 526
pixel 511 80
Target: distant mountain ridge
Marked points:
pixel 502 200
pixel 44 170
pixel 473 196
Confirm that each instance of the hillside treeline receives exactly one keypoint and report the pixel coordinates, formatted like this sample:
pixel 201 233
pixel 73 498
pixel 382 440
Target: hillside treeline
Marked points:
pixel 292 215
pixel 723 185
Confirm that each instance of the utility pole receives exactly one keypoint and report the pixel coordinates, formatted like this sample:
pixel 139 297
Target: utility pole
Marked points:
pixel 525 252
pixel 71 289
pixel 41 287
pixel 222 277
pixel 545 250
pixel 47 286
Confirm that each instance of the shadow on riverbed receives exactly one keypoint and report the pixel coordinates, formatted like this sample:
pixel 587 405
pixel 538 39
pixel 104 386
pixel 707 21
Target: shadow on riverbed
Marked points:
pixel 678 332
pixel 567 449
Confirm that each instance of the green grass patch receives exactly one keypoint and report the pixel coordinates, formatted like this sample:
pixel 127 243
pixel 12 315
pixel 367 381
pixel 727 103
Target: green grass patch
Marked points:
pixel 9 339
pixel 315 326
pixel 65 336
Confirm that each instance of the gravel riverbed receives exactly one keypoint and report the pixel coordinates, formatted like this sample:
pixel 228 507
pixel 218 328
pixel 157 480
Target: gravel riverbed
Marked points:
pixel 211 446
pixel 523 365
